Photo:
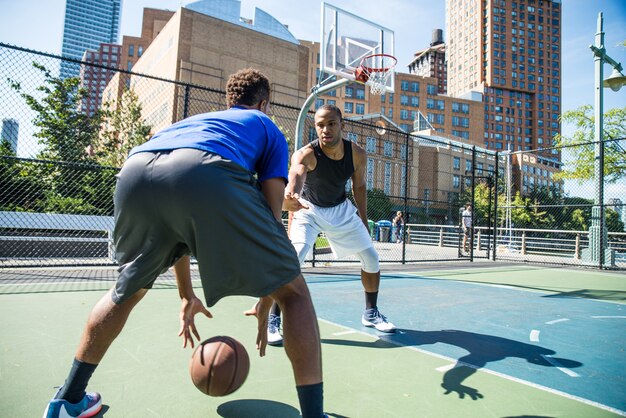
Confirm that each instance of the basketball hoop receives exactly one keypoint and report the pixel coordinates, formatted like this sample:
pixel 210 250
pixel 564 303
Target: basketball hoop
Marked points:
pixel 374 70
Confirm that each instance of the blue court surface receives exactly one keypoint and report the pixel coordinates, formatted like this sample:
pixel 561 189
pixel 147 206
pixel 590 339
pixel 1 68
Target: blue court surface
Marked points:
pixel 554 340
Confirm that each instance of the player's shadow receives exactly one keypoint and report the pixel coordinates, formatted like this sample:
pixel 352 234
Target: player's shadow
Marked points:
pixel 260 408
pixel 482 349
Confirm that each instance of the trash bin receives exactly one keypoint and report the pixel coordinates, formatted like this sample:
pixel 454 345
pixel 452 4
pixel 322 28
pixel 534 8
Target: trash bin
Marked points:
pixel 384 230
pixel 372 227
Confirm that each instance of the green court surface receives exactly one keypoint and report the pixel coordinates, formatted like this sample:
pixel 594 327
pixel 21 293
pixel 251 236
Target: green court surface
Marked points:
pixel 145 372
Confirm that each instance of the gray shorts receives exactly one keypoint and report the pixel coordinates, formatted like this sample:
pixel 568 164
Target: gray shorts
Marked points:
pixel 189 202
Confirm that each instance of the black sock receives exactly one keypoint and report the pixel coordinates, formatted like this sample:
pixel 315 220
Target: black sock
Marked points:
pixel 275 309
pixel 371 298
pixel 311 399
pixel 74 388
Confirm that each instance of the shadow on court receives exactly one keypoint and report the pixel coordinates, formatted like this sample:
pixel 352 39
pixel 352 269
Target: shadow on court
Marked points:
pixel 482 348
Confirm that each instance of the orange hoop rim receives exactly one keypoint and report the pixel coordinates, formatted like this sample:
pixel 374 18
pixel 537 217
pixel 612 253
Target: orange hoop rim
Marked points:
pixel 378 69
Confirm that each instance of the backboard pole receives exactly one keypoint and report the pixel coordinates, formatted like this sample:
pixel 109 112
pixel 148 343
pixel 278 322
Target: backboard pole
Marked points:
pixel 317 91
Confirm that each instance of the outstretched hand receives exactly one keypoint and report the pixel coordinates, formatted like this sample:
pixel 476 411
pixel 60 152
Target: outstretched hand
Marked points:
pixel 261 310
pixel 462 390
pixel 190 307
pixel 293 202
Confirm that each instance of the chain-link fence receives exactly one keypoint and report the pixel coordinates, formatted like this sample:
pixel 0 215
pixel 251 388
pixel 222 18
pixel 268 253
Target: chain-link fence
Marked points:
pixel 63 141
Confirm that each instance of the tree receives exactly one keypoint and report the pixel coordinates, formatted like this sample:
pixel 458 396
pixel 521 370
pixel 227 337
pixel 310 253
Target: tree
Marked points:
pixel 64 130
pixel 582 165
pixel 123 129
pixel 67 181
pixel 379 206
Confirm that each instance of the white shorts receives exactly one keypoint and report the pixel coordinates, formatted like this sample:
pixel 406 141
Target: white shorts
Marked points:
pixel 343 227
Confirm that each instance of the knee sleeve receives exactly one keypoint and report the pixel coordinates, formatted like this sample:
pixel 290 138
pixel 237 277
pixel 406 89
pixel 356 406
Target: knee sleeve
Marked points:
pixel 369 260
pixel 302 249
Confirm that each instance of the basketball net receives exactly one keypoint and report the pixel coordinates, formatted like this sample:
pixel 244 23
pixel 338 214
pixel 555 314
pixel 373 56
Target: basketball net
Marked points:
pixel 375 70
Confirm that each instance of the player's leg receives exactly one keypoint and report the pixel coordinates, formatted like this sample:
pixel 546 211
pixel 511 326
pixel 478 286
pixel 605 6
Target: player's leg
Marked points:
pixel 302 235
pixel 302 344
pixel 370 278
pixel 141 265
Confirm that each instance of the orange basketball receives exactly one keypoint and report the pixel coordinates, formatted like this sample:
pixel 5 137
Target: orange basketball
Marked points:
pixel 219 366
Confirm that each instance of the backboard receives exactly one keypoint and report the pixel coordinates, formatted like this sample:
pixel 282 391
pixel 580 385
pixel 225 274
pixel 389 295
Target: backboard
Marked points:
pixel 347 38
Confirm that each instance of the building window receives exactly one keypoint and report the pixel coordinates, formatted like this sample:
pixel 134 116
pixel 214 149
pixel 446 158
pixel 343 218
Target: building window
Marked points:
pixel 388 149
pixel 352 137
pixel 348 107
pixel 370 145
pixel 139 51
pixel 131 50
pixel 360 108
pixel 349 91
pixel 370 173
pixel 404 85
pixel 387 186
pixel 319 103
pixel 456 163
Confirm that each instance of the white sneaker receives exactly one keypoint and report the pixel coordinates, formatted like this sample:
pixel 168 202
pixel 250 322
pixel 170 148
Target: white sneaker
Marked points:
pixel 273 330
pixel 374 319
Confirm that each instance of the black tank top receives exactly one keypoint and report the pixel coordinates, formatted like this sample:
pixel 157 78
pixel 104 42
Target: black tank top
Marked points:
pixel 326 185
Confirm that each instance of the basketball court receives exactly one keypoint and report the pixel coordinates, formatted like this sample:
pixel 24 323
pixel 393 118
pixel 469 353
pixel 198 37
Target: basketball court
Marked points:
pixel 473 340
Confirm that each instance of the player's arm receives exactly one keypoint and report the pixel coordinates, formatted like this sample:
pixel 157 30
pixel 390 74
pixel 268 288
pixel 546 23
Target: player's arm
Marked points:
pixel 359 189
pixel 274 191
pixel 191 305
pixel 302 161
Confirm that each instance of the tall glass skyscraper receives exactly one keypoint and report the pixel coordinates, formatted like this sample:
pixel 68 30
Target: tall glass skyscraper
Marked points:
pixel 88 23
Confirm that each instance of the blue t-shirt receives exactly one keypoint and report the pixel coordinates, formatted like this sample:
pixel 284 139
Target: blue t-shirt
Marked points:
pixel 245 136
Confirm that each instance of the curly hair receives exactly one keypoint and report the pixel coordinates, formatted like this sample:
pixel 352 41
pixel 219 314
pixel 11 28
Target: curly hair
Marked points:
pixel 247 87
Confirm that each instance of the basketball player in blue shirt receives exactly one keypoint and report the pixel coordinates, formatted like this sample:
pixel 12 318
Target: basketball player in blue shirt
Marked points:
pixel 201 187
pixel 316 193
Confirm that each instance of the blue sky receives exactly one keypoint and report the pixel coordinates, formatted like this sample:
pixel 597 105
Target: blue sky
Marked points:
pixel 38 24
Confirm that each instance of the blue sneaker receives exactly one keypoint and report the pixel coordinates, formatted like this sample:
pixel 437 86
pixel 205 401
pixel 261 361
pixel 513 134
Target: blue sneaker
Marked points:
pixel 89 406
pixel 273 330
pixel 374 319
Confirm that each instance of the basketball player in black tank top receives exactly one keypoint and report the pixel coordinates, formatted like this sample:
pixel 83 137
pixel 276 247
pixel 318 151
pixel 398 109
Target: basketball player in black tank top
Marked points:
pixel 316 194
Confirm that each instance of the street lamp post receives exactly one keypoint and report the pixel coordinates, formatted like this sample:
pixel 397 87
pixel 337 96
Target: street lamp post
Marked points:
pixel 598 235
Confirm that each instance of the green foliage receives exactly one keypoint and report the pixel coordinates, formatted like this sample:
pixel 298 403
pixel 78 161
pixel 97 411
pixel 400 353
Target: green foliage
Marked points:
pixel 123 129
pixel 64 179
pixel 582 166
pixel 64 130
pixel 379 206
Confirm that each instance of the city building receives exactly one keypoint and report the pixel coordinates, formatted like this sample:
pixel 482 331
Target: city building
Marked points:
pixel 431 62
pixel 102 65
pixel 202 48
pixel 88 23
pixel 510 51
pixel 533 171
pixel 153 21
pixel 456 118
pixel 10 132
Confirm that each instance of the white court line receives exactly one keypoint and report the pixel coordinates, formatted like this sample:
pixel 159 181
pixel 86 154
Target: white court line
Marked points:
pixel 559 366
pixel 534 335
pixel 344 332
pixel 494 373
pixel 557 321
